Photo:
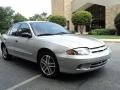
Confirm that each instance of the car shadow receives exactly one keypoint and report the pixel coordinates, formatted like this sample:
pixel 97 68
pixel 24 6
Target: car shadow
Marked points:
pixel 22 63
pixel 63 77
pixel 72 80
pixel 79 77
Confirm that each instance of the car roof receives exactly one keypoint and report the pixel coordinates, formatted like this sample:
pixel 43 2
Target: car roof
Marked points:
pixel 31 21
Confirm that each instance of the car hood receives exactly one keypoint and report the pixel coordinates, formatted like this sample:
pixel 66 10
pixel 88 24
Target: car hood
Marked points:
pixel 73 41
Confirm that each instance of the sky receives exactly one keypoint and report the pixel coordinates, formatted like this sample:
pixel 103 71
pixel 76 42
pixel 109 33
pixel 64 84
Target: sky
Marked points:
pixel 28 7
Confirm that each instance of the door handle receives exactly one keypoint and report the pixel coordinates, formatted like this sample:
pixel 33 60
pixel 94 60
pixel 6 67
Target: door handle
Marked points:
pixel 4 38
pixel 16 41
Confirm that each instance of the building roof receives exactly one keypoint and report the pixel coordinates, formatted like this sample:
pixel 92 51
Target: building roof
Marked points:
pixel 83 4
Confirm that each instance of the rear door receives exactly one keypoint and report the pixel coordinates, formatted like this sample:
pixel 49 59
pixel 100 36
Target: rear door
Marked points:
pixel 10 38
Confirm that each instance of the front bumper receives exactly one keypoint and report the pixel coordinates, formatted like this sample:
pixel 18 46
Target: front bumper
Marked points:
pixel 86 63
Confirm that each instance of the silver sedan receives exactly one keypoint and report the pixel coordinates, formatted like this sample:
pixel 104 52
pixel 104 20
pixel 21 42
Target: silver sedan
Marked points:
pixel 54 48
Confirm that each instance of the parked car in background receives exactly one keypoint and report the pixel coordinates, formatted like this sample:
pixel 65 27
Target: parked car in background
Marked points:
pixel 54 48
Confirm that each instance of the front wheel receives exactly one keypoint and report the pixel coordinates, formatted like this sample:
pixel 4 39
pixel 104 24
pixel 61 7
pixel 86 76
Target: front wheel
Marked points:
pixel 5 54
pixel 48 65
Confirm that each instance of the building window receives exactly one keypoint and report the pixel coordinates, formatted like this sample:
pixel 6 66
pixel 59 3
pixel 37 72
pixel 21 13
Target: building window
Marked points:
pixel 98 13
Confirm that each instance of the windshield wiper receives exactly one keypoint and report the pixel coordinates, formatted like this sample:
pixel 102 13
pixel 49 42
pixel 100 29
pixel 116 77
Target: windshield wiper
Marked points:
pixel 46 34
pixel 62 33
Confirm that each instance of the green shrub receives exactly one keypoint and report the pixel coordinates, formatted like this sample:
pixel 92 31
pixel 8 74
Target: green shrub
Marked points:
pixel 81 19
pixel 102 32
pixel 117 23
pixel 3 31
pixel 58 19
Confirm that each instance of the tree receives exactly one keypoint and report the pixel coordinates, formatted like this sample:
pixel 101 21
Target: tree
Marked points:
pixel 58 19
pixel 117 23
pixel 44 16
pixel 36 17
pixel 6 17
pixel 39 17
pixel 49 17
pixel 19 18
pixel 81 19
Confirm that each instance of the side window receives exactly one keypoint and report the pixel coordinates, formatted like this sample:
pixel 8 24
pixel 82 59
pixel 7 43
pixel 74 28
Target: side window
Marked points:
pixel 24 28
pixel 13 30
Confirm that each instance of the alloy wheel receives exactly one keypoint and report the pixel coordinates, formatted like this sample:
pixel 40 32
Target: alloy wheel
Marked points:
pixel 4 52
pixel 47 65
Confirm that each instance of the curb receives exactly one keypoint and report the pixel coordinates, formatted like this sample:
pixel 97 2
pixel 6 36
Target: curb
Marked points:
pixel 111 40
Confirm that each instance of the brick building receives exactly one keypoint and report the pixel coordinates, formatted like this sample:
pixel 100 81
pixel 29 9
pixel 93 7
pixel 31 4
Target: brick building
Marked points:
pixel 103 11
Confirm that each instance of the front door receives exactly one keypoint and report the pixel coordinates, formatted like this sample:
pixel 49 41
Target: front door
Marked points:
pixel 24 44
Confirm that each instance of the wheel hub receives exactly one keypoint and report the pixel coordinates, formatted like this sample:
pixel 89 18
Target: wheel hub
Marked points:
pixel 4 52
pixel 47 65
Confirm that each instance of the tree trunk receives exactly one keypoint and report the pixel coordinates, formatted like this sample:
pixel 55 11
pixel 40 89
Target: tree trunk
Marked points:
pixel 80 28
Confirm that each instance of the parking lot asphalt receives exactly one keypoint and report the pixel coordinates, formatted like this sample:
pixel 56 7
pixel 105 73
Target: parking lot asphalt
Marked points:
pixel 19 74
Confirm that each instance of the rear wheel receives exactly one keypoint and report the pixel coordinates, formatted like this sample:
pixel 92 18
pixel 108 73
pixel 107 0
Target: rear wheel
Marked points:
pixel 5 54
pixel 48 65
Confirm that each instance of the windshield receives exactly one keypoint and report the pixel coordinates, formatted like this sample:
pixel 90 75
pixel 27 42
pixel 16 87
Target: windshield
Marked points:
pixel 47 28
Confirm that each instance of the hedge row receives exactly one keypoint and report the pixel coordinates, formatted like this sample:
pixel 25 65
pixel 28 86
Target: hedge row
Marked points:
pixel 102 32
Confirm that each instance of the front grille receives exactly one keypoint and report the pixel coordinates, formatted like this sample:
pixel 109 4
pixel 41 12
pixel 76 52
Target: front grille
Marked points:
pixel 97 64
pixel 98 49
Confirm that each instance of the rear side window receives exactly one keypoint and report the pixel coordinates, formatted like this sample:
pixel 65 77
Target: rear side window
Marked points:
pixel 13 30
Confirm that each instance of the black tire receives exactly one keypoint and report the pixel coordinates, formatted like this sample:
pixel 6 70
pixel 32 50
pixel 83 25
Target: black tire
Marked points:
pixel 52 67
pixel 5 54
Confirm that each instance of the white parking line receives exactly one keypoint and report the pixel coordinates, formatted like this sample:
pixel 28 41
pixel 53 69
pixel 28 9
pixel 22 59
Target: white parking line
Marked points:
pixel 24 82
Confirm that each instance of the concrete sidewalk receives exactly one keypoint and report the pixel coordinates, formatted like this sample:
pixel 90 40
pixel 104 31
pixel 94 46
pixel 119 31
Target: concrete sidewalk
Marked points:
pixel 107 40
pixel 111 40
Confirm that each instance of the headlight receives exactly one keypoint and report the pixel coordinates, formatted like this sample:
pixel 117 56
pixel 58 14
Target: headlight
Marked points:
pixel 82 51
pixel 78 51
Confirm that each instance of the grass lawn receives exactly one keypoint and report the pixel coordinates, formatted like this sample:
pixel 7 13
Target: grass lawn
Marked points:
pixel 105 36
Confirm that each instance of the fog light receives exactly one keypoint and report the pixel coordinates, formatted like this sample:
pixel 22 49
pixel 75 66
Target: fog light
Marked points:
pixel 83 67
